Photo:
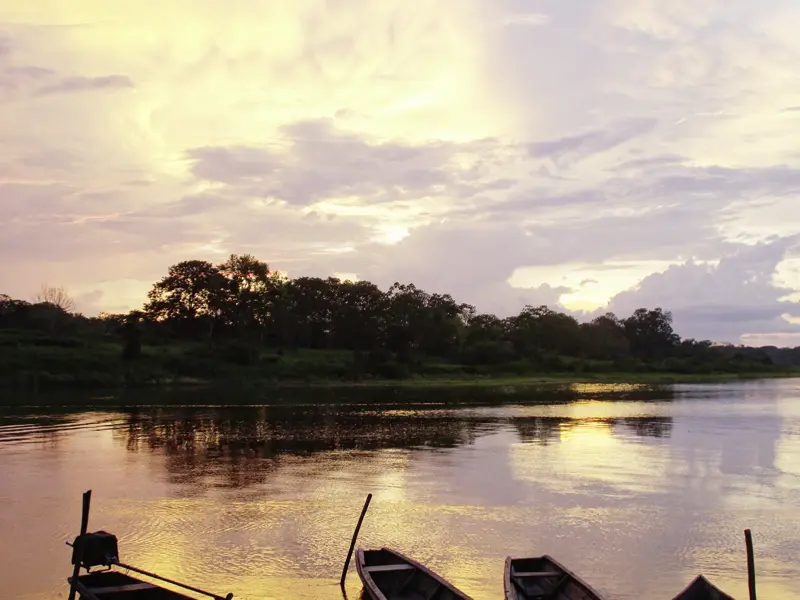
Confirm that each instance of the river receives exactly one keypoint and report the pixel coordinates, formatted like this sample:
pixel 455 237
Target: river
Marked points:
pixel 636 490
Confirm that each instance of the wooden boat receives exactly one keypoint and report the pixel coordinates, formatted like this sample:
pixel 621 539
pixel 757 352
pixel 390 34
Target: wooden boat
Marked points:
pixel 702 589
pixel 543 578
pixel 99 549
pixel 389 575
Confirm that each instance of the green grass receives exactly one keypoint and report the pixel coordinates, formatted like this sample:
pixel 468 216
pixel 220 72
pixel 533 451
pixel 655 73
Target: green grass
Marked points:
pixel 560 379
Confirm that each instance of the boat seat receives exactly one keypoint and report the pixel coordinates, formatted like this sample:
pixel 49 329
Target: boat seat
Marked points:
pixel 536 573
pixel 117 589
pixel 397 567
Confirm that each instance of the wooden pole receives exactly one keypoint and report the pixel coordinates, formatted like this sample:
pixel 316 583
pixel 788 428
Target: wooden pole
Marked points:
pixel 751 564
pixel 353 541
pixel 87 501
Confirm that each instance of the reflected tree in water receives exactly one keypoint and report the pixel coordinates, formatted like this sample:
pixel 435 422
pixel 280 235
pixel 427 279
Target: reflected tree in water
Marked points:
pixel 242 446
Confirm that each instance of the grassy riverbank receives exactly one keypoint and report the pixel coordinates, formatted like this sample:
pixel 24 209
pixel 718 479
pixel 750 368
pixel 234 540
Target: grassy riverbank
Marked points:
pixel 65 363
pixel 545 379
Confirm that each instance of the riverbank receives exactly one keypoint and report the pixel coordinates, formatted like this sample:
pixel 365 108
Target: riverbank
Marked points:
pixel 418 392
pixel 35 381
pixel 47 364
pixel 535 380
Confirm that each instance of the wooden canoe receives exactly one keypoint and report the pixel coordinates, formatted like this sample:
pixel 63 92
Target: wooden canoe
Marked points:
pixel 388 575
pixel 702 589
pixel 543 578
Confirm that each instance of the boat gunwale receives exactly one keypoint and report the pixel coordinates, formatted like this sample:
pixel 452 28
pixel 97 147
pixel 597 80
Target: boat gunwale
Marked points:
pixel 372 586
pixel 508 585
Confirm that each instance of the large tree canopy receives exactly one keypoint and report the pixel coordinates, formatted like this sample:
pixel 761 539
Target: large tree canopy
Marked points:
pixel 241 301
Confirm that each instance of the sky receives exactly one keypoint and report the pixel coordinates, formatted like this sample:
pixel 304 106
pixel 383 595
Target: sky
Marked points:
pixel 591 155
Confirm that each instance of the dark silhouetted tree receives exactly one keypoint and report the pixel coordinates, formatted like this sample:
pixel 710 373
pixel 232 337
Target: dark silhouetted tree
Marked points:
pixel 650 334
pixel 192 296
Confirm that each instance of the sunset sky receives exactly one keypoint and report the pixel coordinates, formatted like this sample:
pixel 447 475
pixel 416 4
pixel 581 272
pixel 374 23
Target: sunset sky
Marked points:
pixel 590 155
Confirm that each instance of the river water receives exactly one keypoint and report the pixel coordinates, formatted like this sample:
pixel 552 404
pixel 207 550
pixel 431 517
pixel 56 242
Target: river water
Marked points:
pixel 637 490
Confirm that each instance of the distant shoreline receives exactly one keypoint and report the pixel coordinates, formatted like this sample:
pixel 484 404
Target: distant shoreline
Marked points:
pixel 555 379
pixel 64 383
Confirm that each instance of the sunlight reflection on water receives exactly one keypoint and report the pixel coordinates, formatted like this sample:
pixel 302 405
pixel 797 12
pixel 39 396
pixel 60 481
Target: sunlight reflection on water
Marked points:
pixel 637 495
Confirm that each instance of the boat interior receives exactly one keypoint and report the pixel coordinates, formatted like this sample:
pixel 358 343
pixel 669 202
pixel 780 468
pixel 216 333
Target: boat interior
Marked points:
pixel 114 585
pixel 399 580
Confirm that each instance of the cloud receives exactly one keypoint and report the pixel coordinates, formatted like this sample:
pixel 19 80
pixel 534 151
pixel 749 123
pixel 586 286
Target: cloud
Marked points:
pixel 781 340
pixel 430 143
pixel 525 19
pixel 722 302
pixel 317 161
pixel 663 160
pixel 69 85
pixel 592 142
pixel 30 71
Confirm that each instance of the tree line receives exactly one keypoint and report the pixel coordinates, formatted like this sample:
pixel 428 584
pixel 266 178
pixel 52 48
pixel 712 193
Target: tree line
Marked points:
pixel 241 305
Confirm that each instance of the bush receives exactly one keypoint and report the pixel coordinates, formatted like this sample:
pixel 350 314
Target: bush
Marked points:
pixel 240 353
pixel 487 353
pixel 391 370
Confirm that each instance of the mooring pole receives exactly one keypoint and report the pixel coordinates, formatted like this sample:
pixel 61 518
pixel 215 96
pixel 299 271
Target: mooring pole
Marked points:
pixel 353 541
pixel 87 500
pixel 751 564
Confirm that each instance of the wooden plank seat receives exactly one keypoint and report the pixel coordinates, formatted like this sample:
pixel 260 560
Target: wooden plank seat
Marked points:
pixel 536 573
pixel 397 567
pixel 116 589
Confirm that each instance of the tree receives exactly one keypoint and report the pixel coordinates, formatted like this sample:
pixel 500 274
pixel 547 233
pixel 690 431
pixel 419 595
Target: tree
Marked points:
pixel 525 331
pixel 604 338
pixel 484 328
pixel 247 282
pixel 192 296
pixel 650 334
pixel 132 336
pixel 357 319
pixel 57 296
pixel 405 319
pixel 560 334
pixel 308 309
pixel 13 313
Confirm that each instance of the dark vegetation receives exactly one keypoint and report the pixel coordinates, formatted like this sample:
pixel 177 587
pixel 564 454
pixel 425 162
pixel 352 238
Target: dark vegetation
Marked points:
pixel 239 322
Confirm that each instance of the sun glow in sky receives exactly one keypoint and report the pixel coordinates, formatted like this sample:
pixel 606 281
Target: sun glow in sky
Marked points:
pixel 432 141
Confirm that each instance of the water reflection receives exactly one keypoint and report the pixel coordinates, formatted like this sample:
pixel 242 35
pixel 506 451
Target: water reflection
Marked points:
pixel 239 447
pixel 543 430
pixel 269 431
pixel 637 494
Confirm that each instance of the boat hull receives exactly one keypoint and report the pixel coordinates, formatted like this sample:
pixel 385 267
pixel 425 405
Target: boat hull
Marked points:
pixel 702 589
pixel 543 578
pixel 389 575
